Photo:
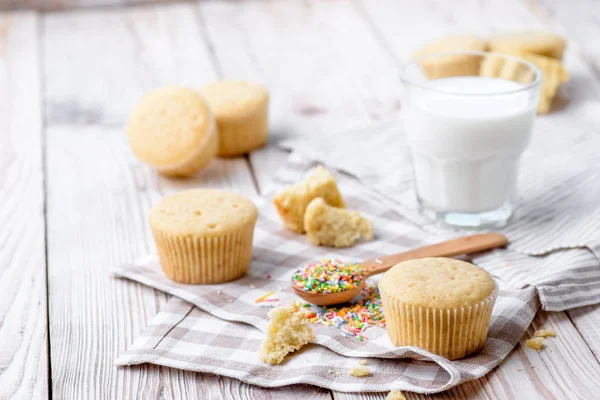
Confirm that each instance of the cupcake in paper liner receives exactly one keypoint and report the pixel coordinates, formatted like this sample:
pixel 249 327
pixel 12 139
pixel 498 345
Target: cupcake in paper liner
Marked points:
pixel 204 236
pixel 441 305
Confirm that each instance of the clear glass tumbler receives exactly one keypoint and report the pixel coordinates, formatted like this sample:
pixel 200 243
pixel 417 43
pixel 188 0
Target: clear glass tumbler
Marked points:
pixel 468 117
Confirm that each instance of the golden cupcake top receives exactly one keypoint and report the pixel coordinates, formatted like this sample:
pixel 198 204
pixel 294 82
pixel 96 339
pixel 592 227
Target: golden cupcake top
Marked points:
pixel 437 283
pixel 234 98
pixel 544 43
pixel 452 43
pixel 168 125
pixel 205 212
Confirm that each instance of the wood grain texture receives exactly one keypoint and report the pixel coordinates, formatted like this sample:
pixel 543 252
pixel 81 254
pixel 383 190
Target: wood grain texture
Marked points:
pixel 23 314
pixel 99 195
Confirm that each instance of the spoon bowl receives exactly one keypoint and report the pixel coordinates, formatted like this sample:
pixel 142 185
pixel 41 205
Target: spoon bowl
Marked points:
pixel 451 248
pixel 328 299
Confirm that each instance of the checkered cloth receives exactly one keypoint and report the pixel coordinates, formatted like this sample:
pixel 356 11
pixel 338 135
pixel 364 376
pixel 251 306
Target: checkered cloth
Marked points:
pixel 218 328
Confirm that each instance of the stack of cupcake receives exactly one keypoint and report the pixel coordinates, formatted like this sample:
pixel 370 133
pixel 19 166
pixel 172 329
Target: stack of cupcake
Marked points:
pixel 203 236
pixel 179 130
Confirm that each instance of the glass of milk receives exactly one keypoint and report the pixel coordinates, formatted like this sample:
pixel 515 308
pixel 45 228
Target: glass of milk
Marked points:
pixel 468 118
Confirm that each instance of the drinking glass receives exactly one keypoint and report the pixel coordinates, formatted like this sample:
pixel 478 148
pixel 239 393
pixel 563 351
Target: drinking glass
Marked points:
pixel 468 118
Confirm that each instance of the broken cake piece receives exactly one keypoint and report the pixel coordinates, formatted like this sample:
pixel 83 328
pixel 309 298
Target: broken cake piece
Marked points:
pixel 289 330
pixel 395 395
pixel 291 203
pixel 335 227
pixel 536 343
pixel 360 371
pixel 544 333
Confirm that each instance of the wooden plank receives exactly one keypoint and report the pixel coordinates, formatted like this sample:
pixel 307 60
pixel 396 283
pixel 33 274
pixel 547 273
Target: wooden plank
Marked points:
pixel 23 314
pixel 99 195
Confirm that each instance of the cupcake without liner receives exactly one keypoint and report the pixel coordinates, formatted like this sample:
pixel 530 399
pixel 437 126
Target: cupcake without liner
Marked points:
pixel 441 305
pixel 173 130
pixel 204 236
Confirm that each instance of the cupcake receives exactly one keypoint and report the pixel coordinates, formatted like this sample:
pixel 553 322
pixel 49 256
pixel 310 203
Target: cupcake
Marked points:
pixel 543 43
pixel 241 112
pixel 204 236
pixel 439 304
pixel 173 130
pixel 442 66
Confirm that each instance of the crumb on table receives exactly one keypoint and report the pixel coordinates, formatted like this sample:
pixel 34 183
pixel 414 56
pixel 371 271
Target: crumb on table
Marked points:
pixel 544 333
pixel 362 362
pixel 395 395
pixel 536 343
pixel 360 371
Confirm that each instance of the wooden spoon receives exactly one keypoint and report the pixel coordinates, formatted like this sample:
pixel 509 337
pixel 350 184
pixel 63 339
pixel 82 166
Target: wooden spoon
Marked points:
pixel 450 248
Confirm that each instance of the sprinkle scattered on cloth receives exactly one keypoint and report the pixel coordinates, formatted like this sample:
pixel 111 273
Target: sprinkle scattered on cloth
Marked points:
pixel 217 328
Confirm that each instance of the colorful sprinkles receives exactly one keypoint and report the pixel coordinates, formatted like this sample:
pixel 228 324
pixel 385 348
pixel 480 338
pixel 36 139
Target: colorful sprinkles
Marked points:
pixel 333 276
pixel 329 276
pixel 355 318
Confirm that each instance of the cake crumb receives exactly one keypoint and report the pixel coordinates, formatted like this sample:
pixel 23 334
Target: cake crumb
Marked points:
pixel 330 371
pixel 291 203
pixel 331 226
pixel 289 330
pixel 252 286
pixel 536 343
pixel 544 333
pixel 360 371
pixel 362 362
pixel 395 395
pixel 519 369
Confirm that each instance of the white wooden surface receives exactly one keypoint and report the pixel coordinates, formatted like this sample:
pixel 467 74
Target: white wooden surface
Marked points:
pixel 67 82
pixel 23 322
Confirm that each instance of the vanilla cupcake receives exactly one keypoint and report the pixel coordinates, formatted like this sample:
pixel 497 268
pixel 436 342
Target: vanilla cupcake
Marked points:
pixel 439 304
pixel 442 66
pixel 241 112
pixel 204 236
pixel 543 43
pixel 173 130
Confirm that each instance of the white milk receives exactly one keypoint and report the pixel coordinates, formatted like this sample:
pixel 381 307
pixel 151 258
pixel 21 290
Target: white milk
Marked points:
pixel 466 147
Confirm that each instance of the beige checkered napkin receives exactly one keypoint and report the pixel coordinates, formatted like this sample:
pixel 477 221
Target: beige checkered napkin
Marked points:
pixel 213 328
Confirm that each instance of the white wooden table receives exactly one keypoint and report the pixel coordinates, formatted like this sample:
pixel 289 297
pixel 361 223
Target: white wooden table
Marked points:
pixel 74 200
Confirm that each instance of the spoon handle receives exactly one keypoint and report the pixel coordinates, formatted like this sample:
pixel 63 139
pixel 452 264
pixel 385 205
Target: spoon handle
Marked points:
pixel 464 245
